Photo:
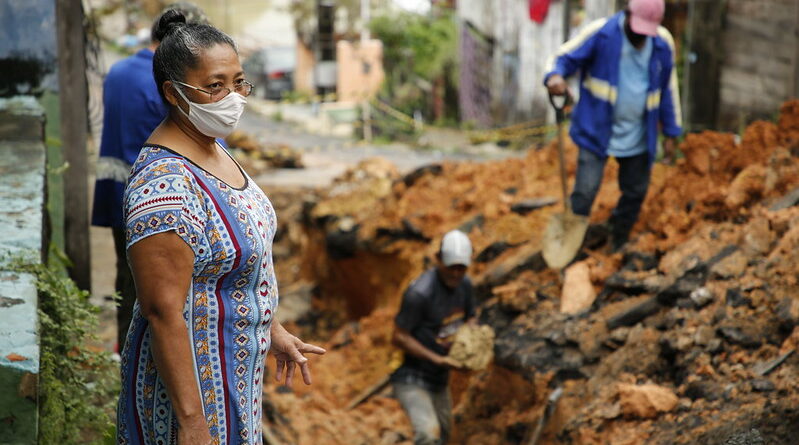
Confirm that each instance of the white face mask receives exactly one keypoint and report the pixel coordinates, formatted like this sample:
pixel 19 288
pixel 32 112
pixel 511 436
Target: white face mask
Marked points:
pixel 217 119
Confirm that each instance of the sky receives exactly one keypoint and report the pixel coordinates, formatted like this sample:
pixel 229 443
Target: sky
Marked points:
pixel 420 6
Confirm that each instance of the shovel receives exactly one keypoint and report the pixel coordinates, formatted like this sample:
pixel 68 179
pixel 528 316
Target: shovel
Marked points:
pixel 565 232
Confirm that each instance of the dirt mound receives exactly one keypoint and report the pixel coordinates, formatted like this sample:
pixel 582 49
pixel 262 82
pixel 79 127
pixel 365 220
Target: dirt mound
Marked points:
pixel 701 305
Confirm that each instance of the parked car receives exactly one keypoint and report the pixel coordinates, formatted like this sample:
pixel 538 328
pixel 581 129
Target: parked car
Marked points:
pixel 271 70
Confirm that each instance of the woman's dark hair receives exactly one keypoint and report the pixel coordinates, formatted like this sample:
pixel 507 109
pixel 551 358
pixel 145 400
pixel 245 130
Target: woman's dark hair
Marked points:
pixel 181 47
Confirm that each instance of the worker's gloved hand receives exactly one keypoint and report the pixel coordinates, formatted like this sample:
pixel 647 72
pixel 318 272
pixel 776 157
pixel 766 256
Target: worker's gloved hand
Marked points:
pixel 669 148
pixel 556 85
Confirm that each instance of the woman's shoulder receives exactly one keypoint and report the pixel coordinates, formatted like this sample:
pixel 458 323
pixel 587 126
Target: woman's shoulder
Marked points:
pixel 155 161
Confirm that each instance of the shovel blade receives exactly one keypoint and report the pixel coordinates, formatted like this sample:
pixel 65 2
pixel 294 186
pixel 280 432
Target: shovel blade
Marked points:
pixel 563 238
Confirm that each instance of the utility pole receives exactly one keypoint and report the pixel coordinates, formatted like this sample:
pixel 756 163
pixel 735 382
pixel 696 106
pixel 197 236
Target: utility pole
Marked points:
pixel 366 112
pixel 73 96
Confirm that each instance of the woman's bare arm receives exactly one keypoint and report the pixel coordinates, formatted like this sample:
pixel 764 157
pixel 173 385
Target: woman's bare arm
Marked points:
pixel 162 266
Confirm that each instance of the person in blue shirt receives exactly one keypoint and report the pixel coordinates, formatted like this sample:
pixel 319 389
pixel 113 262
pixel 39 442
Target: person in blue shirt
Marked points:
pixel 132 110
pixel 628 90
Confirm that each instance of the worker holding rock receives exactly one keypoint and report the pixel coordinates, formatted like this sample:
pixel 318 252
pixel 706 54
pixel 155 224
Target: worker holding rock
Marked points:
pixel 628 88
pixel 433 307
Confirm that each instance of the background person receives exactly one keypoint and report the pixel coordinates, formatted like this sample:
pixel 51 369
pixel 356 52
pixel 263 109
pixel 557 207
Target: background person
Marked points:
pixel 628 87
pixel 433 307
pixel 132 109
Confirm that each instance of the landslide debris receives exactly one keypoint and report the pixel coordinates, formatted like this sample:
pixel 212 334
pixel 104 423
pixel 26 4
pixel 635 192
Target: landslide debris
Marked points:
pixel 473 346
pixel 684 337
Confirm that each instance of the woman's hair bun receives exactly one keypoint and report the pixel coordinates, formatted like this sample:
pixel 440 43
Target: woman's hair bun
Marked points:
pixel 170 21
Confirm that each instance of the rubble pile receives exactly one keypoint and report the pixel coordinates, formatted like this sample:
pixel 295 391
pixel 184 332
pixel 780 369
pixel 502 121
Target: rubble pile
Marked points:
pixel 256 156
pixel 686 336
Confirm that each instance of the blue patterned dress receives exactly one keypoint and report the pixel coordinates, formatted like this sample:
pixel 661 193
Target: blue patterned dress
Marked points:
pixel 228 309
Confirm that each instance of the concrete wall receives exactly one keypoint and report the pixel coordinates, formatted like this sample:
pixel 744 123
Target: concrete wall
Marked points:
pixel 521 48
pixel 360 69
pixel 760 69
pixel 22 201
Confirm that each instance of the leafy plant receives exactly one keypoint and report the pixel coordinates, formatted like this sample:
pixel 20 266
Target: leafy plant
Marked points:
pixel 420 61
pixel 78 384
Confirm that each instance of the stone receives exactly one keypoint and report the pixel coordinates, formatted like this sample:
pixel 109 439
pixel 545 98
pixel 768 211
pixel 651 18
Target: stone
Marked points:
pixel 752 437
pixel 701 297
pixel 492 251
pixel 762 385
pixel 700 389
pixel 578 293
pixel 763 368
pixel 788 312
pixel 21 119
pixel 645 401
pixel 528 205
pixel 634 314
pixel 758 236
pixel 704 335
pixel 619 335
pixel 737 335
pixel 635 282
pixel 526 257
pixel 736 298
pixel 747 185
pixel 639 261
pixel 412 177
pixel 715 346
pixel 473 346
pixel 591 340
pixel 789 200
pixel 731 267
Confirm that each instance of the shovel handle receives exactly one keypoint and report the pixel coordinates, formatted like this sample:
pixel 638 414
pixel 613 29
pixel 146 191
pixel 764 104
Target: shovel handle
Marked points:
pixel 560 114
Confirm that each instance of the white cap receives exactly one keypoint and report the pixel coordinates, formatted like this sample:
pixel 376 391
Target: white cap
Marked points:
pixel 456 249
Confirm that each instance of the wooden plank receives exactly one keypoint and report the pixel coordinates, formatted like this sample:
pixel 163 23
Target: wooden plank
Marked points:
pixel 73 96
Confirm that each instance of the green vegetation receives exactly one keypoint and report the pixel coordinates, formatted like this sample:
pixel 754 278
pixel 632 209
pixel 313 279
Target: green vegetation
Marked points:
pixel 78 384
pixel 420 61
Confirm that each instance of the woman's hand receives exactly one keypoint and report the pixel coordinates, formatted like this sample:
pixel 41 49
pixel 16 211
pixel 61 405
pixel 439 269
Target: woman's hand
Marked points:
pixel 289 351
pixel 194 432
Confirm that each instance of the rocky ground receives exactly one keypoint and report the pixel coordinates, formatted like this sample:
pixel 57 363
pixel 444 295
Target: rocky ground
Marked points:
pixel 686 336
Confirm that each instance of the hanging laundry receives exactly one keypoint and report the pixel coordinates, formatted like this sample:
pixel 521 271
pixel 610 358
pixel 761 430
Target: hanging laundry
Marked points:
pixel 538 10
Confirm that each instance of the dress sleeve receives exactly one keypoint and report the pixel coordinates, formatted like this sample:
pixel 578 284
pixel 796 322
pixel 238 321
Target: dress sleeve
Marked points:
pixel 162 197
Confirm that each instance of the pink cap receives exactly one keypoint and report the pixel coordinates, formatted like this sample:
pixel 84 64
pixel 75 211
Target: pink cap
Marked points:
pixel 646 15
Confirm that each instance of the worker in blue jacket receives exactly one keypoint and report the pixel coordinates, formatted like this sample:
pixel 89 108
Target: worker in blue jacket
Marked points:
pixel 628 88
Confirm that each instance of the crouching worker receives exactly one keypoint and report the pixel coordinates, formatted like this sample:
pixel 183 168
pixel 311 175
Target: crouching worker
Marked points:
pixel 433 307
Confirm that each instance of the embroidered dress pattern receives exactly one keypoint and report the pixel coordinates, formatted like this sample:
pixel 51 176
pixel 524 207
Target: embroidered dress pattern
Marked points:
pixel 229 306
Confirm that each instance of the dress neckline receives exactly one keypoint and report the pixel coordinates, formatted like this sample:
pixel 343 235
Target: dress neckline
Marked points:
pixel 243 174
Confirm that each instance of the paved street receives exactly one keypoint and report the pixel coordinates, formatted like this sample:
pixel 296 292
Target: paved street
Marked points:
pixel 326 157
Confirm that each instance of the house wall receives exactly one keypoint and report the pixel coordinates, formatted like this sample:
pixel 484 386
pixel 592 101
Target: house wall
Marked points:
pixel 360 69
pixel 761 53
pixel 520 50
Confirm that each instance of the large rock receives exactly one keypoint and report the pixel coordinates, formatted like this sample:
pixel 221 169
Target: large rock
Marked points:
pixel 578 293
pixel 473 346
pixel 645 401
pixel 731 267
pixel 746 186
